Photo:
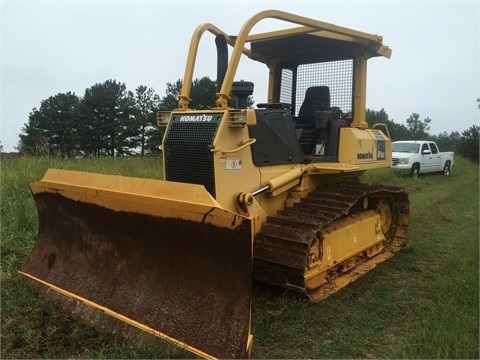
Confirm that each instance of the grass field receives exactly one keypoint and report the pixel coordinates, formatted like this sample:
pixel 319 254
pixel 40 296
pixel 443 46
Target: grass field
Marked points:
pixel 423 303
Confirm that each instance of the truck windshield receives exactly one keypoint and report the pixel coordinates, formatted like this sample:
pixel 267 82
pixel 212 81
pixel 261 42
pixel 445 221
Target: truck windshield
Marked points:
pixel 405 147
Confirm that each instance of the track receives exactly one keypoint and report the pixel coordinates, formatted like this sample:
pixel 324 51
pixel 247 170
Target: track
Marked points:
pixel 284 249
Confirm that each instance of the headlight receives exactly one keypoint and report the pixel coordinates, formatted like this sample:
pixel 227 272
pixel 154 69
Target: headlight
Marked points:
pixel 240 118
pixel 403 161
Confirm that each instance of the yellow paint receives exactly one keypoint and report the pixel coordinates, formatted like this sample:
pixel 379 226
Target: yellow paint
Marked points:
pixel 145 196
pixel 343 240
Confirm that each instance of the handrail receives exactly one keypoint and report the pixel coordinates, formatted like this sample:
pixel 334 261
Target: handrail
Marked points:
pixel 306 25
pixel 314 25
pixel 241 145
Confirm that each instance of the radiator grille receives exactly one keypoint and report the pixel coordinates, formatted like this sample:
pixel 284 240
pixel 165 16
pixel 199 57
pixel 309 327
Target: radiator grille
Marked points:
pixel 187 152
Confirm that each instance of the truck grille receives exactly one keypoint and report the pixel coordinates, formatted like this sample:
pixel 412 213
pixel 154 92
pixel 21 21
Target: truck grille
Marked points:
pixel 394 161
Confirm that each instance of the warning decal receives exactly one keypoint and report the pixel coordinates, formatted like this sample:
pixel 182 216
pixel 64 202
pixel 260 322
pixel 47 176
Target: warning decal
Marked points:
pixel 233 163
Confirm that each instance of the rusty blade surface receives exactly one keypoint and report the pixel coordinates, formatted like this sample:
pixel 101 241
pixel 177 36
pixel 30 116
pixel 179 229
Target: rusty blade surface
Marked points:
pixel 189 280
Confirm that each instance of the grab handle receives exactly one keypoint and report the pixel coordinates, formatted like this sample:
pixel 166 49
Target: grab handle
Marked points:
pixel 241 145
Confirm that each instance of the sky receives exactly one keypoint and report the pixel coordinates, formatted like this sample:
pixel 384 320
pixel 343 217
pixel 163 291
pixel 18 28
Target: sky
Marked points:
pixel 51 47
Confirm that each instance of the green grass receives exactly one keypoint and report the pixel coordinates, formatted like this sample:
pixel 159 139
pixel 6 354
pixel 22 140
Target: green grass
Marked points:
pixel 422 303
pixel 31 327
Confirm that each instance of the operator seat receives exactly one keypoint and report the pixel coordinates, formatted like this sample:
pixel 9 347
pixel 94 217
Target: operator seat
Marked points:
pixel 310 122
pixel 317 98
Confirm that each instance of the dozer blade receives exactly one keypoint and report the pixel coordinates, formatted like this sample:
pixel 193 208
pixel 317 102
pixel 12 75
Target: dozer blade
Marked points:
pixel 160 256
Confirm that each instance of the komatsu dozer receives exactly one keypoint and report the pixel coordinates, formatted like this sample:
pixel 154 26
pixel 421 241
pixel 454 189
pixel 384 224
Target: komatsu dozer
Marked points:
pixel 271 192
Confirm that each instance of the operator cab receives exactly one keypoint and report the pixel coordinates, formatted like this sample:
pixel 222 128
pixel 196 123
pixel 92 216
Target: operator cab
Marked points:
pixel 311 87
pixel 316 87
pixel 283 138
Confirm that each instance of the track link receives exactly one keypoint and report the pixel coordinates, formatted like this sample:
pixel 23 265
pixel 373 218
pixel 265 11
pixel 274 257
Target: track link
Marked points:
pixel 282 248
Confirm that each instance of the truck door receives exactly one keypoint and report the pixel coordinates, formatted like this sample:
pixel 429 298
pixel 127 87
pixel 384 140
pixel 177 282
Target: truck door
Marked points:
pixel 436 162
pixel 427 159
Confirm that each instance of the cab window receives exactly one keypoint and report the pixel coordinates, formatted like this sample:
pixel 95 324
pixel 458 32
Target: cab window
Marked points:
pixel 434 148
pixel 425 148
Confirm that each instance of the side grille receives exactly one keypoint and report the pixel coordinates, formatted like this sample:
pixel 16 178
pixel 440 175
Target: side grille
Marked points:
pixel 187 152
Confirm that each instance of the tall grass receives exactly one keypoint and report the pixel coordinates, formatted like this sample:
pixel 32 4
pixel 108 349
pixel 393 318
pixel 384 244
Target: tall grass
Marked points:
pixel 423 303
pixel 445 235
pixel 31 327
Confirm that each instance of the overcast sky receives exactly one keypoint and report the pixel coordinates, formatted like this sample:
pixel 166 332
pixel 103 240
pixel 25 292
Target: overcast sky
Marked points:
pixel 51 47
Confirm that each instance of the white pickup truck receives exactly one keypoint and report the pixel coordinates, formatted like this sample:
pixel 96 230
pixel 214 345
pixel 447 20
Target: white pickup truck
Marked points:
pixel 418 157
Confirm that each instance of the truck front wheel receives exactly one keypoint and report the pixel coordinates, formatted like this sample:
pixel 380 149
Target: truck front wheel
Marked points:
pixel 414 172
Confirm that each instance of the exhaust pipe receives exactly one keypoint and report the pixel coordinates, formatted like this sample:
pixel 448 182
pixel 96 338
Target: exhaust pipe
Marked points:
pixel 222 59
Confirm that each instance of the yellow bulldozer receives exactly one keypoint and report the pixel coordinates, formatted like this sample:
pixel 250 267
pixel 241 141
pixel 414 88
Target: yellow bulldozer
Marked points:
pixel 272 193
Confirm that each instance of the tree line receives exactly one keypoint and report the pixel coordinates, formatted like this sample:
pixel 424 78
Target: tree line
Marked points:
pixel 109 120
pixel 465 143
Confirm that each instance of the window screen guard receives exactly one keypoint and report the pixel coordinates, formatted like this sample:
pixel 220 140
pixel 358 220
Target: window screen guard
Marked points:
pixel 337 75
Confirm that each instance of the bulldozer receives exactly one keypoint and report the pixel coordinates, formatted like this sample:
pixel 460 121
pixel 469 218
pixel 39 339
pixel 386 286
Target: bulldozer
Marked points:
pixel 272 193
